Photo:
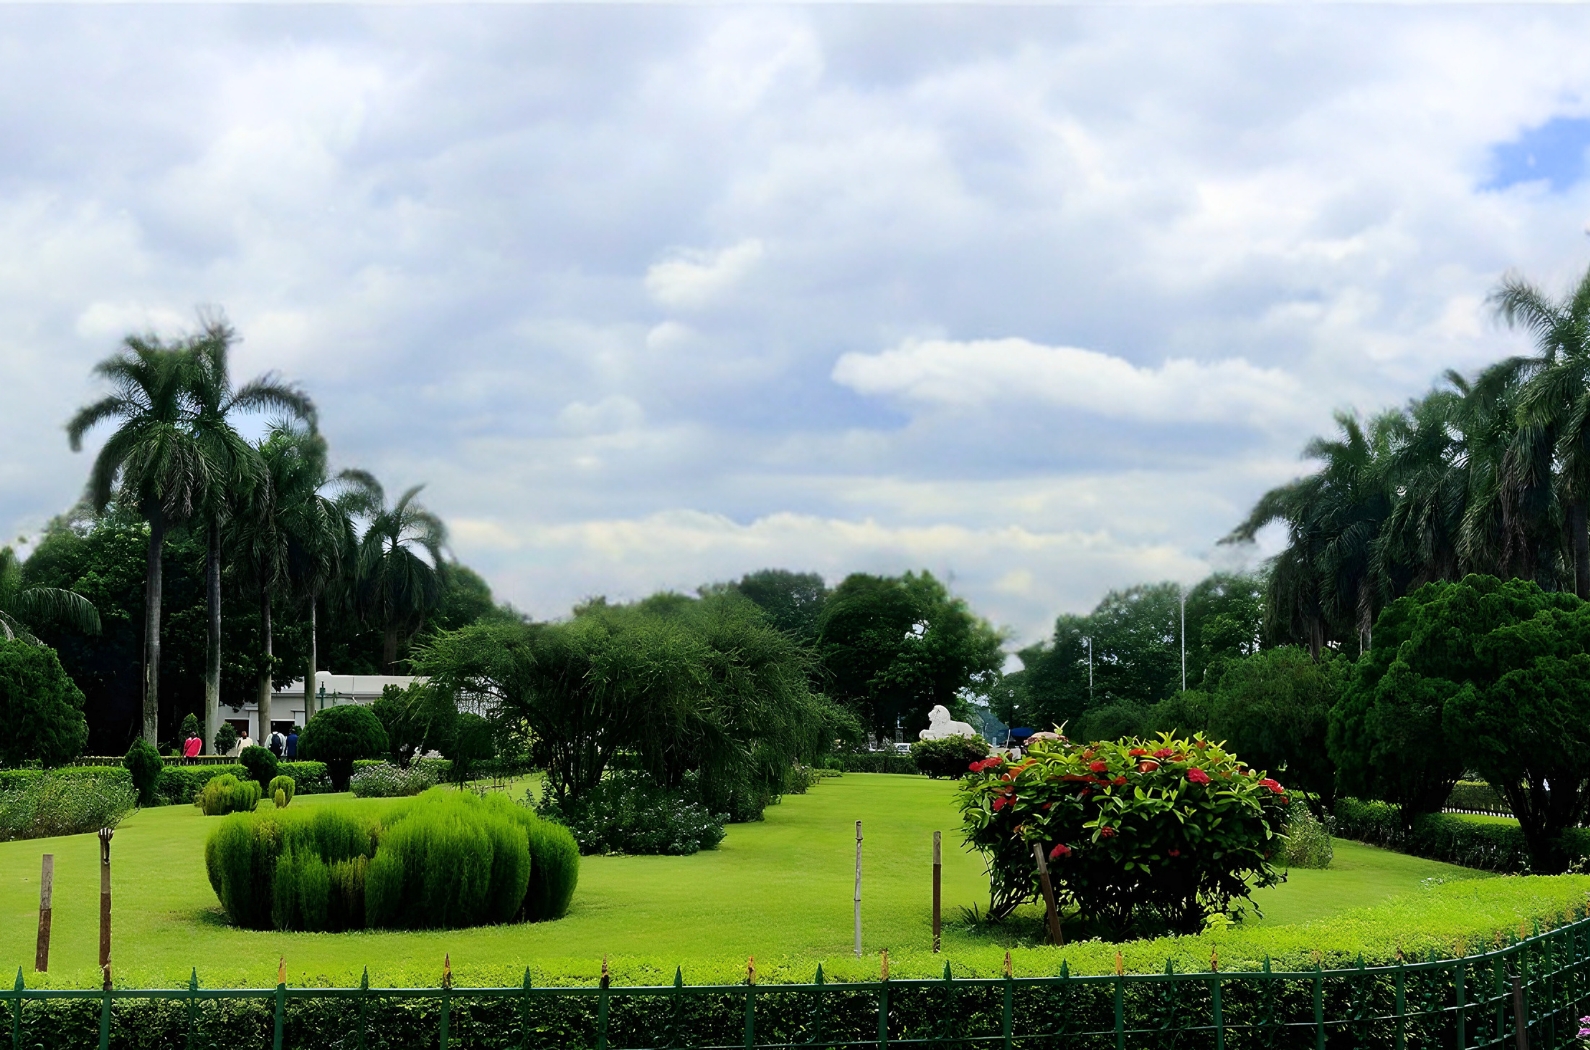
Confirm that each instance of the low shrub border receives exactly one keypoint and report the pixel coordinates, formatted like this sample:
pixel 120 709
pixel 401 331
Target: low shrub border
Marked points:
pixel 1498 847
pixel 1434 1002
pixel 874 762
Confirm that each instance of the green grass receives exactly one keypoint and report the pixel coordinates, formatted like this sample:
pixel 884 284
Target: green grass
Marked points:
pixel 779 890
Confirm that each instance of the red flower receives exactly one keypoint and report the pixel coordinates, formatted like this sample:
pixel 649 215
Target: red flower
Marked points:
pixel 1000 802
pixel 1099 767
pixel 975 767
pixel 1272 785
pixel 1174 852
pixel 1106 832
pixel 1119 781
pixel 1136 751
pixel 1045 806
pixel 1163 753
pixel 1062 850
pixel 1197 776
pixel 1148 767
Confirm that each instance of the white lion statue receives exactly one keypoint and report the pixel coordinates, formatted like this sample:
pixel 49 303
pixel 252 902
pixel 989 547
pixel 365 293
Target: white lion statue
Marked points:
pixel 941 726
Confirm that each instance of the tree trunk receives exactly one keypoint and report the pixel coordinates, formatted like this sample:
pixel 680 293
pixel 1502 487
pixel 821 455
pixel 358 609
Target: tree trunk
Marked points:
pixel 212 667
pixel 1366 619
pixel 265 674
pixel 153 584
pixel 1580 540
pixel 314 656
pixel 389 643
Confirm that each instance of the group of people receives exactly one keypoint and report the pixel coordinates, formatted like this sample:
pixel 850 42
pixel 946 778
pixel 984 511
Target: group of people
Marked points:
pixel 282 745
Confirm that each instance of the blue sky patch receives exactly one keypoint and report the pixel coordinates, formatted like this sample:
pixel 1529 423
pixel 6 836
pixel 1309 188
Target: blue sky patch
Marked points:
pixel 1554 152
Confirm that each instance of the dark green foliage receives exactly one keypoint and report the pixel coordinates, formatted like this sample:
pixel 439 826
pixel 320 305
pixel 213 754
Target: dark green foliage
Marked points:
pixel 873 762
pixel 1273 708
pixel 950 756
pixel 1476 796
pixel 1113 721
pixel 1480 675
pixel 554 871
pixel 227 794
pixel 791 601
pixel 281 791
pixel 41 709
pixel 417 719
pixel 191 727
pixel 1488 845
pixel 225 738
pixel 338 736
pixel 473 743
pixel 12 779
pixel 628 813
pixel 260 762
pixel 892 648
pixel 1308 839
pixel 448 860
pixel 49 803
pixel 242 859
pixel 144 763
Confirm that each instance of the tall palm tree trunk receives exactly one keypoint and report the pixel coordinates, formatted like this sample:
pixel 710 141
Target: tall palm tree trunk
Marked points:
pixel 212 667
pixel 1579 538
pixel 389 647
pixel 153 585
pixel 265 675
pixel 314 656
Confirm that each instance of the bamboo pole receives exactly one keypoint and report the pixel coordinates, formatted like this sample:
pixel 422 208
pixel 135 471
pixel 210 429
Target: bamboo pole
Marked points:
pixel 104 899
pixel 858 889
pixel 41 955
pixel 938 874
pixel 1052 912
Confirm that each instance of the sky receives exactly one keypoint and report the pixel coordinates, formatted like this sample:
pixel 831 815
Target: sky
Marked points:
pixel 1037 298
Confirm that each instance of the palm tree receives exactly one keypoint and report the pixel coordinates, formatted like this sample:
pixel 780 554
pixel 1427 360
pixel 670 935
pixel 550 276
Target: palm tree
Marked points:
pixel 20 606
pixel 216 402
pixel 396 588
pixel 153 461
pixel 1553 438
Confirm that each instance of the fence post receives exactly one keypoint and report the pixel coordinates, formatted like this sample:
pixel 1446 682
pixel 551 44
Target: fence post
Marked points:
pixel 104 1013
pixel 1319 1008
pixel 750 1015
pixel 193 1004
pixel 883 1005
pixel 601 1008
pixel 524 1011
pixel 364 1004
pixel 281 1002
pixel 1220 1020
pixel 1009 1004
pixel 938 872
pixel 1462 1009
pixel 1520 1024
pixel 1120 1005
pixel 447 996
pixel 1402 1003
pixel 41 954
pixel 16 1013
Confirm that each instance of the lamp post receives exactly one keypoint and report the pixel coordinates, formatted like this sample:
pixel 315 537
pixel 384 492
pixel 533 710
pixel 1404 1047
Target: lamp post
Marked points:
pixel 1184 639
pixel 1090 670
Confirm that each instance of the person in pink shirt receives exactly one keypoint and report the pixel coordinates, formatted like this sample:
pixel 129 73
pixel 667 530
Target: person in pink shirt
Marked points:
pixel 191 747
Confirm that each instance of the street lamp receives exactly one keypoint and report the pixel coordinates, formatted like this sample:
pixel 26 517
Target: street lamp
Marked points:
pixel 1090 670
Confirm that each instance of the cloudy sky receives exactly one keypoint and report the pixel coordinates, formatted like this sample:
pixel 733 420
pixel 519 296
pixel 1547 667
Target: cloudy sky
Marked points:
pixel 1040 298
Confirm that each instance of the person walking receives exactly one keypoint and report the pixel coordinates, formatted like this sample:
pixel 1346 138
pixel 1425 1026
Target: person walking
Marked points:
pixel 292 743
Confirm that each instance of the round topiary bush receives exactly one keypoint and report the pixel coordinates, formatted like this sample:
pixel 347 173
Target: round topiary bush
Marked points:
pixel 444 859
pixel 227 794
pixel 950 756
pixel 144 763
pixel 260 762
pixel 1142 836
pixel 281 791
pixel 339 737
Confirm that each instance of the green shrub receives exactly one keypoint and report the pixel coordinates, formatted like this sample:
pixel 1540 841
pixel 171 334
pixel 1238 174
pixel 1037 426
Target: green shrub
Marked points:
pixel 50 804
pixel 1308 839
pixel 12 779
pixel 227 794
pixel 225 738
pixel 448 860
pixel 242 858
pixel 800 779
pixel 41 707
pixel 1476 796
pixel 875 762
pixel 260 762
pixel 949 757
pixel 385 780
pixel 472 742
pixel 554 871
pixel 144 763
pixel 281 791
pixel 310 777
pixel 628 813
pixel 1144 835
pixel 339 736
pixel 190 727
pixel 1484 844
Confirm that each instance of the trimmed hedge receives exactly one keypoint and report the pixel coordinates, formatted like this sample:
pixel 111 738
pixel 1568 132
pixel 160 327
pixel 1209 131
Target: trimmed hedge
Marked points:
pixel 51 804
pixel 445 859
pixel 950 757
pixel 873 762
pixel 12 779
pixel 227 794
pixel 1486 845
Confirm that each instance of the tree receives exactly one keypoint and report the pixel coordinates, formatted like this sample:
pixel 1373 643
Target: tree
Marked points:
pixel 417 719
pixel 21 604
pixel 396 588
pixel 791 601
pixel 40 707
pixel 153 461
pixel 472 742
pixel 893 648
pixel 1272 709
pixel 236 469
pixel 339 737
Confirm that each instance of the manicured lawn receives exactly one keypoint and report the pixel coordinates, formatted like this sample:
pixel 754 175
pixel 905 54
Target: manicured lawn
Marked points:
pixel 780 890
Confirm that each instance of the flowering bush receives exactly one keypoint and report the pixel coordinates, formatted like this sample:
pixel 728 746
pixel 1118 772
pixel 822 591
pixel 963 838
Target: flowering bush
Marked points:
pixel 628 813
pixel 1140 834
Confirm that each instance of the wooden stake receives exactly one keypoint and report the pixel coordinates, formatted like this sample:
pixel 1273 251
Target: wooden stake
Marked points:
pixel 104 898
pixel 1520 1023
pixel 750 969
pixel 938 874
pixel 884 972
pixel 1052 912
pixel 41 955
pixel 858 889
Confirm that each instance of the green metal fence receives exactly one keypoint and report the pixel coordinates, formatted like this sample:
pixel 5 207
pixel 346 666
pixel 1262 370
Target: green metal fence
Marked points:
pixel 1526 994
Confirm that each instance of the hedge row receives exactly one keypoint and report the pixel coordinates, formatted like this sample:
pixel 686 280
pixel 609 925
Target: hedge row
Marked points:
pixel 873 762
pixel 1489 846
pixel 1476 796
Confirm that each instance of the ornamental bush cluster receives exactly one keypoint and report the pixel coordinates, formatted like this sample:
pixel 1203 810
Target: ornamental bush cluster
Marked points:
pixel 628 813
pixel 948 757
pixel 51 804
pixel 443 859
pixel 1141 835
pixel 385 780
pixel 227 794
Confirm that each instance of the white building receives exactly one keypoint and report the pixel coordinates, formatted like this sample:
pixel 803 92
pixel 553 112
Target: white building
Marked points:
pixel 331 690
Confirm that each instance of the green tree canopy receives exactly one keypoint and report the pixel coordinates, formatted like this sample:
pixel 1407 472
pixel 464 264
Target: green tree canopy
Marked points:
pixel 340 736
pixel 41 709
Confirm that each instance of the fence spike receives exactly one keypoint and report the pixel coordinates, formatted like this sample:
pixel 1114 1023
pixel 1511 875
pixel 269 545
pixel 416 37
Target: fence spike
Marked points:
pixel 819 979
pixel 1065 967
pixel 193 980
pixel 1266 963
pixel 1168 968
pixel 1120 965
pixel 1214 960
pixel 679 976
pixel 750 969
pixel 364 982
pixel 947 969
pixel 18 987
pixel 527 978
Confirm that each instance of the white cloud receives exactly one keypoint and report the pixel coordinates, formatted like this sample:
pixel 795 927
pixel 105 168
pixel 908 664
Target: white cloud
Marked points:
pixel 692 279
pixel 980 374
